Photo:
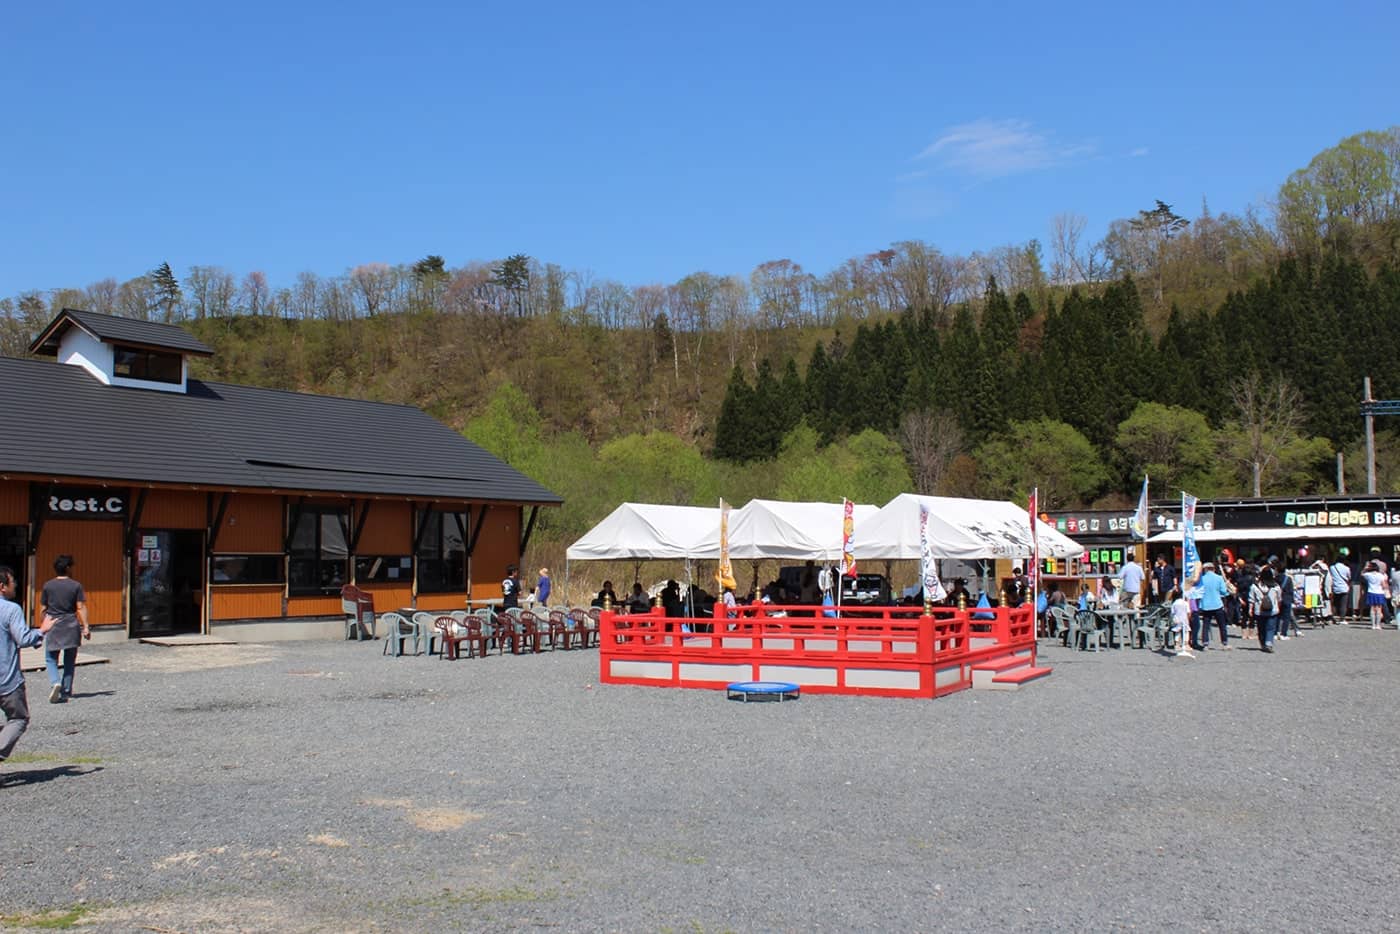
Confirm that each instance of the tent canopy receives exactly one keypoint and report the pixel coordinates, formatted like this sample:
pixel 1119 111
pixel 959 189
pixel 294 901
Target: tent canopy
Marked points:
pixel 957 528
pixel 767 528
pixel 643 532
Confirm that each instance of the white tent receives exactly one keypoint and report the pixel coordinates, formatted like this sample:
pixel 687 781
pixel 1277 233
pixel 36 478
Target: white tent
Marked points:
pixel 957 528
pixel 644 532
pixel 767 528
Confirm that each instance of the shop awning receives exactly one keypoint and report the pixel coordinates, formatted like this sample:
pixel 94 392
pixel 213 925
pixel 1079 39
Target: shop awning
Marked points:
pixel 1290 533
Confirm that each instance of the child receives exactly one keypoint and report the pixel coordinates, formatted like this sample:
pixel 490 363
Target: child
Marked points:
pixel 1181 621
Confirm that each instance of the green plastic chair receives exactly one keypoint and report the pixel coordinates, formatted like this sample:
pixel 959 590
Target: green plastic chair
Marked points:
pixel 1086 625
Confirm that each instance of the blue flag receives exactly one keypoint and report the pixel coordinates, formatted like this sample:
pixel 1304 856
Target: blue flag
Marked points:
pixel 1190 557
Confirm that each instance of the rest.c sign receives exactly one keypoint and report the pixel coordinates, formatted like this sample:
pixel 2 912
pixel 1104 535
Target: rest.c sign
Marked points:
pixel 81 503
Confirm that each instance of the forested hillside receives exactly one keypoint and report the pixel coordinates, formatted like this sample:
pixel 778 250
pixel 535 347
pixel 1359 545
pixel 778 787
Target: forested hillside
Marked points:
pixel 1222 354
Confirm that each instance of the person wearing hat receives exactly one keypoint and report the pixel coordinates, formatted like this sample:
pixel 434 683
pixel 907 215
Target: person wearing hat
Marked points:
pixel 543 585
pixel 1377 593
pixel 1213 590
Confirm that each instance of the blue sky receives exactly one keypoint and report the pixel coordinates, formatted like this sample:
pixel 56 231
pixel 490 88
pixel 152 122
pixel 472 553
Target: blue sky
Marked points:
pixel 643 142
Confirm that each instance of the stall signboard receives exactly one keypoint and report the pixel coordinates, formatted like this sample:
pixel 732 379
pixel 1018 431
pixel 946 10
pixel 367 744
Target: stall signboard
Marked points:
pixel 83 503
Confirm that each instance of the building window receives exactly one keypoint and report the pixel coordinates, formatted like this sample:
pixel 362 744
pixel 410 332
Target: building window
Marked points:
pixel 442 552
pixel 248 569
pixel 150 365
pixel 383 569
pixel 318 560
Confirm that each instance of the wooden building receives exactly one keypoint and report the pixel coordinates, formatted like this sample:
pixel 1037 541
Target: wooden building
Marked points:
pixel 194 506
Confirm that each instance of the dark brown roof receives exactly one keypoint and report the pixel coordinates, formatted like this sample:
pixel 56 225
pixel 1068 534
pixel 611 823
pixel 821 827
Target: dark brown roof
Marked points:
pixel 113 329
pixel 61 421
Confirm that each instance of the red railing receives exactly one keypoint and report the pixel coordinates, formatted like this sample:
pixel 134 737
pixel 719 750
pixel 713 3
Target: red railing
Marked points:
pixel 891 651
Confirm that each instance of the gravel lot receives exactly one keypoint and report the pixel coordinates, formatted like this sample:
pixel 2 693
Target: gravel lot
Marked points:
pixel 323 787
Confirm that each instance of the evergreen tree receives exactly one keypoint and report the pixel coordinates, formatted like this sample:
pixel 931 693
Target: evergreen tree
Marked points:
pixel 767 427
pixel 737 430
pixel 167 292
pixel 789 405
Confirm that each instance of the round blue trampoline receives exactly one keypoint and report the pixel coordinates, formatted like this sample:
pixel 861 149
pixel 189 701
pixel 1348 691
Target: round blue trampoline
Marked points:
pixel 763 691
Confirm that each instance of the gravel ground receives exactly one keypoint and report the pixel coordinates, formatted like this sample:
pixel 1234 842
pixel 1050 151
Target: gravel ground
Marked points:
pixel 323 787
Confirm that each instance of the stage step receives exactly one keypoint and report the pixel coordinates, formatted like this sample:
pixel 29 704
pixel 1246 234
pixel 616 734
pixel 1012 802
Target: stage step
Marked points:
pixel 984 674
pixel 1014 679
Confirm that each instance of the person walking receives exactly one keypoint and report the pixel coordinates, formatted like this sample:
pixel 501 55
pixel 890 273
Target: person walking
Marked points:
pixel 1181 620
pixel 1265 596
pixel 1132 576
pixel 63 601
pixel 1212 591
pixel 1377 593
pixel 542 587
pixel 1339 587
pixel 15 634
pixel 1285 608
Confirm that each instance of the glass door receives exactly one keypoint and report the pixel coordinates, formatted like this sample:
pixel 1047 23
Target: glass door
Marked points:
pixel 167 586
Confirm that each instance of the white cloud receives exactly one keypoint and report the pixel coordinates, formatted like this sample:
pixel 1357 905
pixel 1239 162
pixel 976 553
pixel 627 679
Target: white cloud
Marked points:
pixel 1139 152
pixel 992 148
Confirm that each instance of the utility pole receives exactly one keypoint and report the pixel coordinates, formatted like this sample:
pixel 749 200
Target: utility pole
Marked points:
pixel 1370 408
pixel 1370 436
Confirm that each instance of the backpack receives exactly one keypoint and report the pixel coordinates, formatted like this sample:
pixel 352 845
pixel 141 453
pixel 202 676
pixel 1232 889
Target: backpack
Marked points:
pixel 1267 606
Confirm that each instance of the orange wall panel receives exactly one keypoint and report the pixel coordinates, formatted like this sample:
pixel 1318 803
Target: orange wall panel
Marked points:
pixel 252 525
pixel 498 546
pixel 97 548
pixel 388 530
pixel 389 596
pixel 443 601
pixel 172 509
pixel 247 602
pixel 14 503
pixel 314 606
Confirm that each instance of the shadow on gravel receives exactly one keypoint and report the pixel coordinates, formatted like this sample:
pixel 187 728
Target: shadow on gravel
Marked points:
pixel 221 707
pixel 86 694
pixel 36 776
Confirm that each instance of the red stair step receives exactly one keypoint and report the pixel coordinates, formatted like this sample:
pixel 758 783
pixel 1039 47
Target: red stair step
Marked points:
pixel 1021 675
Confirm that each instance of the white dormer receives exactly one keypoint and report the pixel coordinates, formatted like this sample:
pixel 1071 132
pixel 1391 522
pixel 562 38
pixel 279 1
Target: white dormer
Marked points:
pixel 122 351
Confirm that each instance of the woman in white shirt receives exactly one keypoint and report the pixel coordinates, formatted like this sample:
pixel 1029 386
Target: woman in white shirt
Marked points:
pixel 1377 593
pixel 1108 595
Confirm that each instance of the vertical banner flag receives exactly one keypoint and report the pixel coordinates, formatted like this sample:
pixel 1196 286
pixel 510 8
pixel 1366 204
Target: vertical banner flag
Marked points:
pixel 1033 572
pixel 848 526
pixel 928 570
pixel 724 574
pixel 1190 558
pixel 1138 523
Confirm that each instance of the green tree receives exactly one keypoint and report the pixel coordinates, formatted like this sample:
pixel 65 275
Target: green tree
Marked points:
pixel 867 468
pixel 167 292
pixel 513 275
pixel 657 468
pixel 738 430
pixel 1173 445
pixel 1346 199
pixel 1046 454
pixel 509 427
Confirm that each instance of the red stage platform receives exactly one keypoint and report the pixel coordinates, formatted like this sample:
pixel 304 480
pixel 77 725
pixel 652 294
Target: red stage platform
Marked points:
pixel 888 651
